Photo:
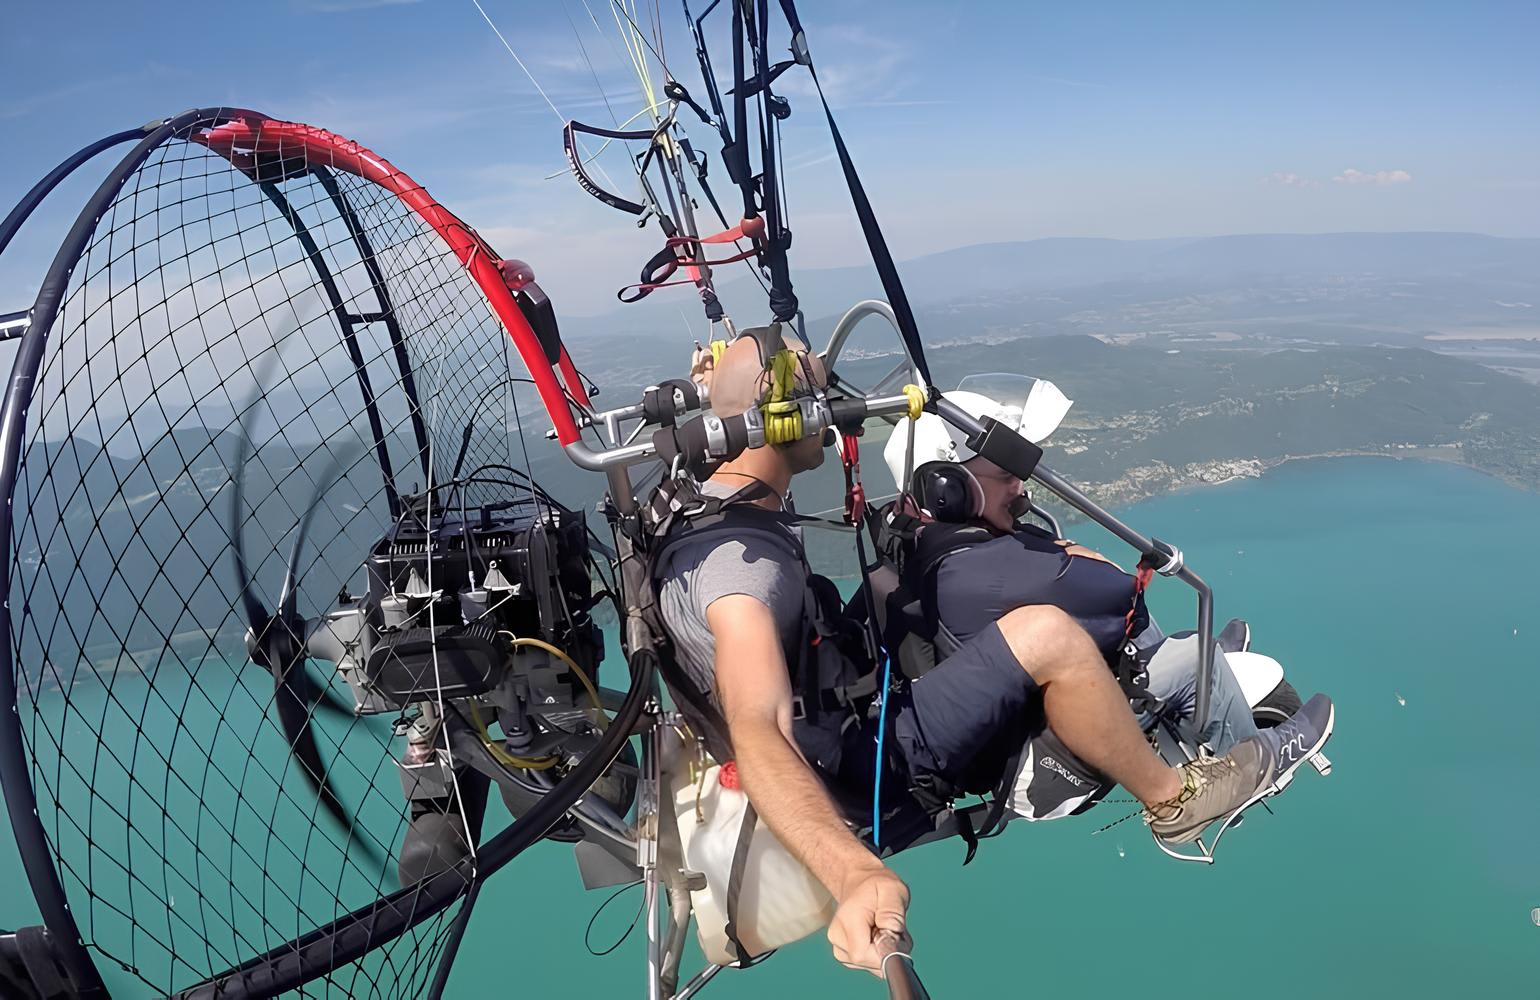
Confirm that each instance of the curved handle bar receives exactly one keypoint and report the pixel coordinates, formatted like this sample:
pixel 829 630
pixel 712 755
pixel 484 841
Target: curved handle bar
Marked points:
pixel 898 969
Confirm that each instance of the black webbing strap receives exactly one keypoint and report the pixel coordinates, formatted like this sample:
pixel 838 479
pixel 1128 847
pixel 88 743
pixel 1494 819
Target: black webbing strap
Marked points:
pixel 783 300
pixel 967 835
pixel 676 500
pixel 703 713
pixel 882 257
pixel 994 818
pixel 735 883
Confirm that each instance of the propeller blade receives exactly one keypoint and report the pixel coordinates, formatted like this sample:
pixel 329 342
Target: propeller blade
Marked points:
pixel 332 703
pixel 278 644
pixel 296 699
pixel 288 597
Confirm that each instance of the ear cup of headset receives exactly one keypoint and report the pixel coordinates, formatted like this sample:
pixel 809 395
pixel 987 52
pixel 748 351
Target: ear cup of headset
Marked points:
pixel 947 492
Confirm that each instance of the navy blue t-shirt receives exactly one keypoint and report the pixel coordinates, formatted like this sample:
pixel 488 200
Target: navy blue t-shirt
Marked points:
pixel 978 585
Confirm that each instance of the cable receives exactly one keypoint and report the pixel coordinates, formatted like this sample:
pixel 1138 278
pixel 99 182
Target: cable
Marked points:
pixel 588 932
pixel 603 720
pixel 503 756
pixel 882 729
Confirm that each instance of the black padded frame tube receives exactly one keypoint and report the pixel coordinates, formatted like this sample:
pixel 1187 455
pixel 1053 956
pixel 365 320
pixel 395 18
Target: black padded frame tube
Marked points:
pixel 20 795
pixel 347 323
pixel 386 315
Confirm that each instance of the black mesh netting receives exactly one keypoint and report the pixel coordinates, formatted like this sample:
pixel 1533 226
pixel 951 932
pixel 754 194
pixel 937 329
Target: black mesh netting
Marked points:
pixel 198 314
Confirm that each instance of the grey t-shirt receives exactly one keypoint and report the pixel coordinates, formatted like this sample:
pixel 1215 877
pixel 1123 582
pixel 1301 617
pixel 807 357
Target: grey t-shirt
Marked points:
pixel 699 573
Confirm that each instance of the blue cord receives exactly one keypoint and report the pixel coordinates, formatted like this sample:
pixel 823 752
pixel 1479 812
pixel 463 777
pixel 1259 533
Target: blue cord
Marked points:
pixel 882 726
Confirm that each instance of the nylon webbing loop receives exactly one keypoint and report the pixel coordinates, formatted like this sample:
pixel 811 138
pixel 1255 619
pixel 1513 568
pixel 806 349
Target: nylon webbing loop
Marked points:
pixel 735 882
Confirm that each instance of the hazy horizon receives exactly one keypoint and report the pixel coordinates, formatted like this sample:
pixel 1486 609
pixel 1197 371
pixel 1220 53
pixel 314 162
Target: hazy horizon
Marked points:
pixel 980 125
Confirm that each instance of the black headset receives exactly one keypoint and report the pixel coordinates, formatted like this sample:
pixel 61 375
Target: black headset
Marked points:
pixel 945 491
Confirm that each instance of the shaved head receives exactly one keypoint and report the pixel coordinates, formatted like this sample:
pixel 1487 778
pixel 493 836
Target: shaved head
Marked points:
pixel 739 381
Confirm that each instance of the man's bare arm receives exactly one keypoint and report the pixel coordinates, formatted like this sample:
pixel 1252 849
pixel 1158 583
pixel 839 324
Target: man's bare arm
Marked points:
pixel 755 691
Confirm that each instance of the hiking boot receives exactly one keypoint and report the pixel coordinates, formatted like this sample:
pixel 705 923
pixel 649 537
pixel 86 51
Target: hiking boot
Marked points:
pixel 1220 787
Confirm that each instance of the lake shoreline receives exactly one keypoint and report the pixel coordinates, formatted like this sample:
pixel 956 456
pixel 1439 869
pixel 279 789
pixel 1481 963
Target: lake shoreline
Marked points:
pixel 1139 484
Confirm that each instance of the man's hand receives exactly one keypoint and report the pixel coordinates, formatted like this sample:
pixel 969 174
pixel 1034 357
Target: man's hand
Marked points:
pixel 871 901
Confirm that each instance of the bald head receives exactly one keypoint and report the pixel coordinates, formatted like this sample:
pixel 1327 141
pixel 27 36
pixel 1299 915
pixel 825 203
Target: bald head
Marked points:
pixel 739 381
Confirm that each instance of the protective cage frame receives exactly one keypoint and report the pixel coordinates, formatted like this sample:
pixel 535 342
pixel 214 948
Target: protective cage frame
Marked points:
pixel 243 136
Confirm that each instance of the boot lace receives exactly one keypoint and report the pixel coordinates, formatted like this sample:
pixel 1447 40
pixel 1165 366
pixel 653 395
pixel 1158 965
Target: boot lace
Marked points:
pixel 1197 774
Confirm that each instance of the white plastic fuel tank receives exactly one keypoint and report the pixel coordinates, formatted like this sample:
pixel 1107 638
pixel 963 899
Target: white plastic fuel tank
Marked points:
pixel 780 901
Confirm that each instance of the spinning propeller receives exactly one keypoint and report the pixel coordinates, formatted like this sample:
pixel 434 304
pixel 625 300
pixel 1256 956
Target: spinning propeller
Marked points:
pixel 276 640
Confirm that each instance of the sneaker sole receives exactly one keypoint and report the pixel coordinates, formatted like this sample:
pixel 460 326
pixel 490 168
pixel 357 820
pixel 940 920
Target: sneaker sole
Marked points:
pixel 1278 784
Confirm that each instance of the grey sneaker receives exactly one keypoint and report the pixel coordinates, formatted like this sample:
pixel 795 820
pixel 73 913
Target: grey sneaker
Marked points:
pixel 1221 787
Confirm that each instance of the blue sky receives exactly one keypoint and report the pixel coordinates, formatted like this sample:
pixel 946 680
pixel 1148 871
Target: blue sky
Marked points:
pixel 971 122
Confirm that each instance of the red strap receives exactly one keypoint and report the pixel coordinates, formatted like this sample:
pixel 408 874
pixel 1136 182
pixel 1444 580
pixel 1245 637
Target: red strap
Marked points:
pixel 748 229
pixel 1142 577
pixel 669 261
pixel 855 493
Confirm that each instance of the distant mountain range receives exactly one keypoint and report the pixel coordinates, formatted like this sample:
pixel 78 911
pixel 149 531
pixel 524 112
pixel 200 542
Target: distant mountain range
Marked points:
pixel 1364 270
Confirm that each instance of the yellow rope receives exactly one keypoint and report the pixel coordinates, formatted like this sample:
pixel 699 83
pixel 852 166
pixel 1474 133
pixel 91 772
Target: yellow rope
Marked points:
pixel 783 417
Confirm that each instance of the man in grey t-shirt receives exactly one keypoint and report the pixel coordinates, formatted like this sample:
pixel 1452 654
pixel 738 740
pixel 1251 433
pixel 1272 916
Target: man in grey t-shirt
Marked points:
pixel 697 574
pixel 733 609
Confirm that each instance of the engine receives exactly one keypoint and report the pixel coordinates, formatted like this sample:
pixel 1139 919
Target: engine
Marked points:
pixel 467 602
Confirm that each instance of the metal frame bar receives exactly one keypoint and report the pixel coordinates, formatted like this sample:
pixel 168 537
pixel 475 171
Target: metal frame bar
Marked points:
pixel 347 324
pixel 29 201
pixel 648 807
pixel 14 325
pixel 386 315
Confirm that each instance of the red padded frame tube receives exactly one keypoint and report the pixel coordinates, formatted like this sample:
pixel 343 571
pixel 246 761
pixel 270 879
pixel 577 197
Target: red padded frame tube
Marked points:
pixel 267 135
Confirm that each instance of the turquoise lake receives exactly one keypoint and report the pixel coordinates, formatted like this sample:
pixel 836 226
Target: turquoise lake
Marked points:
pixel 1410 872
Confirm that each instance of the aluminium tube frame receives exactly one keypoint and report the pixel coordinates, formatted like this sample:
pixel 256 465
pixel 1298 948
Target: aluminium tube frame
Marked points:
pixel 847 325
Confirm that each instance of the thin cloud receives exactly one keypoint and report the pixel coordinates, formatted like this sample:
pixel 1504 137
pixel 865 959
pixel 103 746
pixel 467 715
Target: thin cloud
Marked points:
pixel 805 162
pixel 1382 178
pixel 1064 81
pixel 1289 178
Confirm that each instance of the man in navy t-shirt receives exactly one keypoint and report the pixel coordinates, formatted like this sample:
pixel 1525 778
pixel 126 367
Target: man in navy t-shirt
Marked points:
pixel 960 717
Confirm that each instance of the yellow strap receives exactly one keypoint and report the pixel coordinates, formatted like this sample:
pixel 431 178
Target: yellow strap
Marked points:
pixel 783 417
pixel 783 375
